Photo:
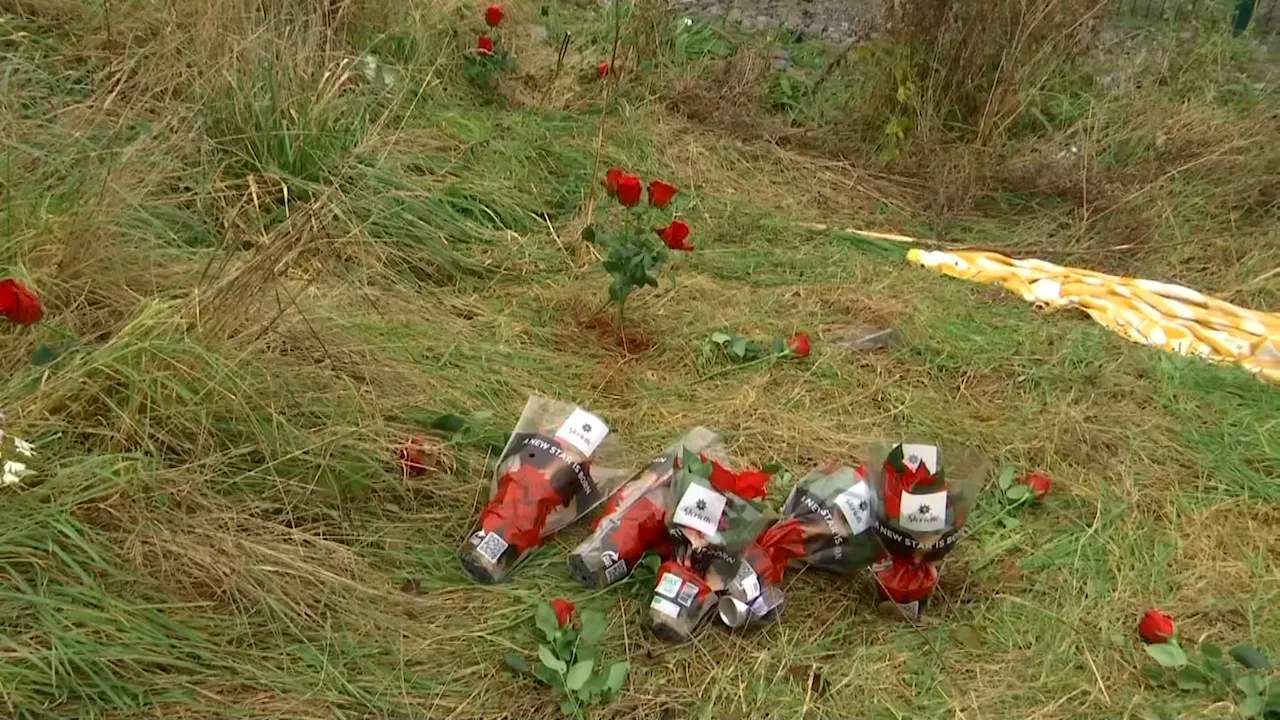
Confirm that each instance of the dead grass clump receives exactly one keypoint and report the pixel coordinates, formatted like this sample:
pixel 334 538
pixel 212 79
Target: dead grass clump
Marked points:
pixel 729 95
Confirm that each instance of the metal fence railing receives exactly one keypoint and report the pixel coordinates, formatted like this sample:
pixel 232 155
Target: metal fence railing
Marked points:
pixel 1260 15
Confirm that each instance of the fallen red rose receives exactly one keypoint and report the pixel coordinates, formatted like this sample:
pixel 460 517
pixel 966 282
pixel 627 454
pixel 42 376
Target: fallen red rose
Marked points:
pixel 661 192
pixel 603 69
pixel 564 611
pixel 18 304
pixel 485 45
pixel 1156 627
pixel 493 16
pixel 413 457
pixel 629 190
pixel 611 179
pixel 676 235
pixel 799 345
pixel 1039 483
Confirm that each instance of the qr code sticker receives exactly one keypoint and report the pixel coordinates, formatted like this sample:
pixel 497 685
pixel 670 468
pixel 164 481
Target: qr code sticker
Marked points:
pixel 669 585
pixel 616 571
pixel 492 547
pixel 687 594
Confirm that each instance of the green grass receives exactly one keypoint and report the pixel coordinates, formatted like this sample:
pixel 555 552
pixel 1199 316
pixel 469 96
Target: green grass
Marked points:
pixel 262 274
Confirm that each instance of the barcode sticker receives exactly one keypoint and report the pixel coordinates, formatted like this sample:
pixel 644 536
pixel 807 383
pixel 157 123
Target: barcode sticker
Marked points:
pixel 665 606
pixel 669 585
pixel 615 572
pixel 492 547
pixel 687 594
pixel 751 586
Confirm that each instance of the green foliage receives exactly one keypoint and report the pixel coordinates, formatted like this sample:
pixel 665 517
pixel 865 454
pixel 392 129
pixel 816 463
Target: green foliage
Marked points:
pixel 569 662
pixel 1253 692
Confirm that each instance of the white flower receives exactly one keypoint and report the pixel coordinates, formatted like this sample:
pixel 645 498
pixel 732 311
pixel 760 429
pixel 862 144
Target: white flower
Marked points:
pixel 24 447
pixel 13 472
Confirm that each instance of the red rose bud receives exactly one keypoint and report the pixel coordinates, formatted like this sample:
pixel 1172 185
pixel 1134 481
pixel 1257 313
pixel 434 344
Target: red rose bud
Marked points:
pixel 629 190
pixel 611 180
pixel 661 192
pixel 1156 627
pixel 564 611
pixel 413 457
pixel 493 16
pixel 676 235
pixel 603 70
pixel 485 45
pixel 18 304
pixel 799 345
pixel 1039 483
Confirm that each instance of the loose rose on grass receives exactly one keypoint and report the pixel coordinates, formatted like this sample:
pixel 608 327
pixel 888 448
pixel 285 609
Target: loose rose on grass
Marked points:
pixel 1156 627
pixel 570 660
pixel 632 256
pixel 744 351
pixel 1038 483
pixel 18 304
pixel 799 345
pixel 413 457
pixel 602 70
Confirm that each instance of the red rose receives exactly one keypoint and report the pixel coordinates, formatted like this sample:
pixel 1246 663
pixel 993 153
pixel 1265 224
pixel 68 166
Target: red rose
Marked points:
pixel 676 235
pixel 611 180
pixel 1039 483
pixel 748 484
pixel 18 304
pixel 485 45
pixel 603 69
pixel 1156 627
pixel 629 190
pixel 413 457
pixel 799 345
pixel 519 510
pixel 564 611
pixel 493 16
pixel 661 192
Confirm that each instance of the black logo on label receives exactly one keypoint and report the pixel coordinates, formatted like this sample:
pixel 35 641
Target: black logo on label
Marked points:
pixel 586 427
pixel 923 510
pixel 701 505
pixel 862 506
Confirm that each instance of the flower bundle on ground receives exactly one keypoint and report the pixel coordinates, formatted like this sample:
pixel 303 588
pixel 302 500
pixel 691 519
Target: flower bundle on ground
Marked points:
pixel 486 63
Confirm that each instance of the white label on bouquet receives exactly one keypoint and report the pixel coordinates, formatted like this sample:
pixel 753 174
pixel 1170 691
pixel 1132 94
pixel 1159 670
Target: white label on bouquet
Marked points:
pixel 700 509
pixel 669 585
pixel 751 586
pixel 687 594
pixel 855 505
pixel 923 513
pixel 583 431
pixel 492 546
pixel 665 606
pixel 913 455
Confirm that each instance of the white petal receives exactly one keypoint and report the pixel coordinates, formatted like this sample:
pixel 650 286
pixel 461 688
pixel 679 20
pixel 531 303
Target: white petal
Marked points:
pixel 24 447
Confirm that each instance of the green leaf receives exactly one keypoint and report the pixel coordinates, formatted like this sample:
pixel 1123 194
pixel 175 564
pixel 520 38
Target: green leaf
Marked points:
pixel 1252 706
pixel 1167 654
pixel 545 617
pixel 1190 678
pixel 449 423
pixel 1211 651
pixel 1252 685
pixel 549 659
pixel 593 627
pixel 1017 492
pixel 569 708
pixel 517 662
pixel 617 676
pixel 739 348
pixel 1010 522
pixel 1250 657
pixel 1007 474
pixel 44 355
pixel 720 338
pixel 548 676
pixel 578 675
pixel 589 233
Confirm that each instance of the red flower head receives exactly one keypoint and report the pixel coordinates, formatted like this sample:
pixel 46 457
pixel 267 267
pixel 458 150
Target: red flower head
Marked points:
pixel 1156 627
pixel 564 611
pixel 748 484
pixel 18 304
pixel 485 45
pixel 611 180
pixel 676 235
pixel 661 192
pixel 629 190
pixel 493 16
pixel 603 69
pixel 519 510
pixel 799 345
pixel 413 457
pixel 1039 483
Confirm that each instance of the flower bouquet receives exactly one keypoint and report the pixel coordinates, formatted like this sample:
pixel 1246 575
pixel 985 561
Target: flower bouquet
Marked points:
pixel 828 522
pixel 635 518
pixel 925 496
pixel 713 514
pixel 546 478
